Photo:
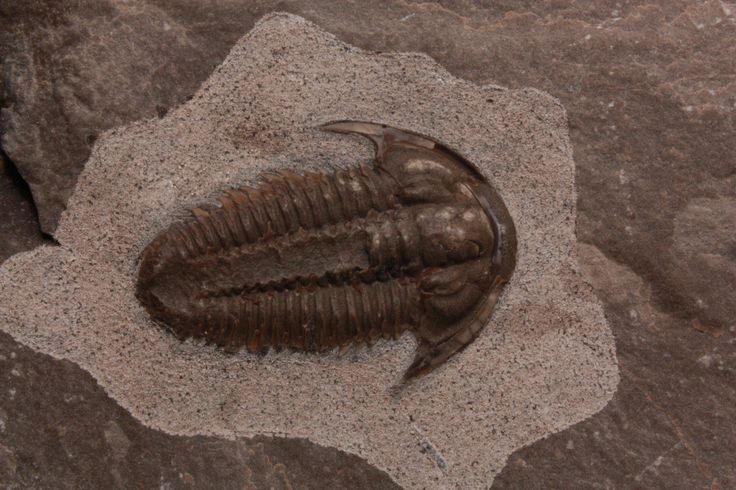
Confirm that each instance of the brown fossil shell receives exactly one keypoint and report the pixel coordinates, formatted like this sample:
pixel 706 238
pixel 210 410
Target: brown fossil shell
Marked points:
pixel 419 241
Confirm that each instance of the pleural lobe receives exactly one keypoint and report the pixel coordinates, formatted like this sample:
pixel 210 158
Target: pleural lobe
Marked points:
pixel 281 266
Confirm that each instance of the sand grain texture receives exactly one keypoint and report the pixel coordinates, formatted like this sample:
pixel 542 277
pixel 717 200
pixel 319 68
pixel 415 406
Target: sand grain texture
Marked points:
pixel 545 361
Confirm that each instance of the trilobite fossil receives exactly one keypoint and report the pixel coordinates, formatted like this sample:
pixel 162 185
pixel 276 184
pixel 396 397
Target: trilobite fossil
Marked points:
pixel 418 241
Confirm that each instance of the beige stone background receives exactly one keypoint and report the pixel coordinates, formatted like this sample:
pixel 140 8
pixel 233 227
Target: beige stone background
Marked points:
pixel 545 361
pixel 648 86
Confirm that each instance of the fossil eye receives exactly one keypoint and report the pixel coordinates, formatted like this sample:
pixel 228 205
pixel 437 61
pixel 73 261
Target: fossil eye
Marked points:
pixel 320 260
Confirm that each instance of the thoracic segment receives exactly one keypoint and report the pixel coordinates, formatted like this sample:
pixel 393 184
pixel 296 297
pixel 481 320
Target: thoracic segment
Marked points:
pixel 284 204
pixel 377 247
pixel 308 319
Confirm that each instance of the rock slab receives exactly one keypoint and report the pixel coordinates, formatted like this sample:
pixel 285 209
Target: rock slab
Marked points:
pixel 544 362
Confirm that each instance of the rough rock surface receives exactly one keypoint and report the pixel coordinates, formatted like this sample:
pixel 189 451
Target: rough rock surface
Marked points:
pixel 655 74
pixel 545 361
pixel 671 422
pixel 649 90
pixel 88 441
pixel 58 429
pixel 19 228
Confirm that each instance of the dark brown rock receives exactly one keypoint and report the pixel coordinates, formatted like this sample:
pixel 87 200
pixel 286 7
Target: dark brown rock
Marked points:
pixel 650 96
pixel 621 72
pixel 74 69
pixel 670 425
pixel 58 429
pixel 19 228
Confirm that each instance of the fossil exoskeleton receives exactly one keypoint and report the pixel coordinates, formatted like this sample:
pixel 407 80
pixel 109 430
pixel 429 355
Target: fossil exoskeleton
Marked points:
pixel 418 241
